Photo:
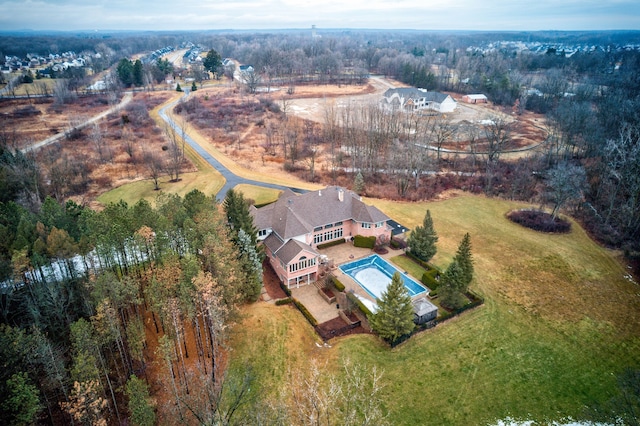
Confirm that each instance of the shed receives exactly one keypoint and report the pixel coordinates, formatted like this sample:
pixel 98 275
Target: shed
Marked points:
pixel 424 311
pixel 475 99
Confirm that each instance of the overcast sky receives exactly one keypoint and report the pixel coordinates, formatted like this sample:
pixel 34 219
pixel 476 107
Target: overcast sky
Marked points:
pixel 280 14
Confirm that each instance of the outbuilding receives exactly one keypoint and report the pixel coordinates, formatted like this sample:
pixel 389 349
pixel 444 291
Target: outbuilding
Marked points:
pixel 477 98
pixel 424 311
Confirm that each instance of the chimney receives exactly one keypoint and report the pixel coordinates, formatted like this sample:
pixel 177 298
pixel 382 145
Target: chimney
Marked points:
pixel 340 195
pixel 319 193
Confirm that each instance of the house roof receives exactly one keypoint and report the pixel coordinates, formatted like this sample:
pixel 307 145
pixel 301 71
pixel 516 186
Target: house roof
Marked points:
pixel 294 215
pixel 288 251
pixel 413 93
pixel 291 249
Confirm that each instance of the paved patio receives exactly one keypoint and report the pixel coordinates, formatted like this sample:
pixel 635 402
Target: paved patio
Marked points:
pixel 337 255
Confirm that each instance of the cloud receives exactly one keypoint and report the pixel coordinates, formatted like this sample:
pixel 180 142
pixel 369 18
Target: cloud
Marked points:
pixel 273 14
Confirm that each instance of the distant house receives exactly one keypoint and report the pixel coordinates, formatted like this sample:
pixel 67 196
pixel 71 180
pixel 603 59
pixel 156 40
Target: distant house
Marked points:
pixel 475 99
pixel 412 99
pixel 292 228
pixel 424 311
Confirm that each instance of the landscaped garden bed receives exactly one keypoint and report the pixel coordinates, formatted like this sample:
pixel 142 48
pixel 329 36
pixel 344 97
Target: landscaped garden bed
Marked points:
pixel 539 220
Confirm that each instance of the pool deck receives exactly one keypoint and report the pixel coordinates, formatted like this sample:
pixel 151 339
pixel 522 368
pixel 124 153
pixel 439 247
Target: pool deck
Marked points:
pixel 308 294
pixel 346 252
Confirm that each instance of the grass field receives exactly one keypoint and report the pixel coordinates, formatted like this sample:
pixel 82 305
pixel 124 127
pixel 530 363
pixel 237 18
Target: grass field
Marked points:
pixel 560 322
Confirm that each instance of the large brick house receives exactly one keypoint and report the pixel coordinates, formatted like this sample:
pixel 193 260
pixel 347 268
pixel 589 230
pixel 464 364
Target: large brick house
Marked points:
pixel 292 228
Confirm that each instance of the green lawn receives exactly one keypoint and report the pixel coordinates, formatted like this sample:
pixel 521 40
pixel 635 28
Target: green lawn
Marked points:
pixel 409 266
pixel 559 323
pixel 258 194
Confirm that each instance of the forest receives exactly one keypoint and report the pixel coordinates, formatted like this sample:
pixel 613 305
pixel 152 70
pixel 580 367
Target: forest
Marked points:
pixel 96 305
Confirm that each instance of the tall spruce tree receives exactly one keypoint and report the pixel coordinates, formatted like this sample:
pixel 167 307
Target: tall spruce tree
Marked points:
pixel 423 239
pixel 394 317
pixel 251 265
pixel 236 209
pixel 452 287
pixel 465 261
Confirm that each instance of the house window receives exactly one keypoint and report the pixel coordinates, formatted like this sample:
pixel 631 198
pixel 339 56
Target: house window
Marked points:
pixel 328 226
pixel 302 263
pixel 338 223
pixel 379 224
pixel 366 225
pixel 319 228
pixel 329 235
pixel 262 233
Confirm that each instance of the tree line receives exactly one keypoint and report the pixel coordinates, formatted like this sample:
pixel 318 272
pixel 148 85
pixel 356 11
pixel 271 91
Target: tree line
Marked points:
pixel 87 290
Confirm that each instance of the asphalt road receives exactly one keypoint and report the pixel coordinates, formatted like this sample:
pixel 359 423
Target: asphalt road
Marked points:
pixel 231 178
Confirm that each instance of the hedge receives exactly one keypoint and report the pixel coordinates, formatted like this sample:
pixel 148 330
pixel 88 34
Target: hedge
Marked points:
pixel 337 284
pixel 305 313
pixel 284 301
pixel 331 244
pixel 285 289
pixel 429 279
pixel 397 243
pixel 359 304
pixel 475 301
pixel 364 242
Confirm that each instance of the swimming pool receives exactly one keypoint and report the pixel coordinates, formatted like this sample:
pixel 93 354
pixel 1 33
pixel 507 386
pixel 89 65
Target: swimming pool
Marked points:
pixel 373 274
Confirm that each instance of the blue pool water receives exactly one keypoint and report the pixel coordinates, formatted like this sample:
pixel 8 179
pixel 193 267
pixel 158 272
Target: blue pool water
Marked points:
pixel 373 274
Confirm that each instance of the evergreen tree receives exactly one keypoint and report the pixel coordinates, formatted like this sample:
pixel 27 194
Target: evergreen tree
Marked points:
pixel 236 209
pixel 358 184
pixel 140 407
pixel 137 73
pixel 394 317
pixel 423 239
pixel 251 265
pixel 452 286
pixel 194 87
pixel 465 261
pixel 125 72
pixel 212 61
pixel 22 400
pixel 178 88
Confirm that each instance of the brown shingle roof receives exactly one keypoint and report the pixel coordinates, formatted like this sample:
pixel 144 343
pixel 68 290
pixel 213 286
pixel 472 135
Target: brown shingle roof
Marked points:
pixel 291 249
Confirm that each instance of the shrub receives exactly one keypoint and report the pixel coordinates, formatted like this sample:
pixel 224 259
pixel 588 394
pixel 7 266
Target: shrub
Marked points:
pixel 305 313
pixel 429 279
pixel 359 304
pixel 539 220
pixel 397 243
pixel 364 242
pixel 285 289
pixel 337 284
pixel 284 301
pixel 331 243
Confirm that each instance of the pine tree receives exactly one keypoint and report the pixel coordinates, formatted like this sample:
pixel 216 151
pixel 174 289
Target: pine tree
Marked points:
pixel 142 413
pixel 423 239
pixel 236 209
pixel 465 261
pixel 358 184
pixel 251 265
pixel 394 317
pixel 178 88
pixel 452 286
pixel 194 87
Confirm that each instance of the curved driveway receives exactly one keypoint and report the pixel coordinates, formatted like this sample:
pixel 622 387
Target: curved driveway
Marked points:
pixel 231 178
